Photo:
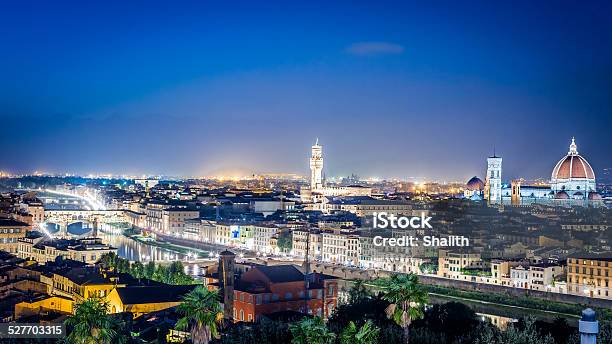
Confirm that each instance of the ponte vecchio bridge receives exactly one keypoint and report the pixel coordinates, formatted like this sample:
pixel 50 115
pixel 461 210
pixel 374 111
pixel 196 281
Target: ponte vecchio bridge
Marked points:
pixel 94 218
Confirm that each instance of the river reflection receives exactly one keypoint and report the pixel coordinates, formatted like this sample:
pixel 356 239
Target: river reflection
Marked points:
pixel 133 250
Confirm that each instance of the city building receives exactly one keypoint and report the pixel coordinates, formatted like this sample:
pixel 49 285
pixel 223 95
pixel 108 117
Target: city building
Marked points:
pixel 10 232
pixel 340 247
pixel 366 206
pixel 143 299
pixel 238 235
pixel 200 230
pixel 173 219
pixel 453 263
pixel 300 238
pixel 85 250
pixel 263 233
pixel 544 276
pixel 590 274
pixel 264 290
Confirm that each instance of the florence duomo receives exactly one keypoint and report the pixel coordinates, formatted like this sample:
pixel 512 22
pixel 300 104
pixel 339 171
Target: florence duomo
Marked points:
pixel 572 182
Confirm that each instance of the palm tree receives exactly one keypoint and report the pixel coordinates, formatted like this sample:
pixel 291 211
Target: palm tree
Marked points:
pixel 407 298
pixel 202 313
pixel 311 331
pixel 367 334
pixel 91 324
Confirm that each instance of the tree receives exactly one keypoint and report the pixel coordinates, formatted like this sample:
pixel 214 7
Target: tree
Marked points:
pixel 161 274
pixel 429 268
pixel 91 324
pixel 358 292
pixel 149 270
pixel 201 313
pixel 526 334
pixel 407 298
pixel 122 265
pixel 367 334
pixel 137 270
pixel 108 260
pixel 453 319
pixel 523 333
pixel 311 331
pixel 176 274
pixel 285 241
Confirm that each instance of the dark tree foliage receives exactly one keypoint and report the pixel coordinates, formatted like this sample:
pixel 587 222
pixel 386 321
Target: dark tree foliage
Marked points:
pixel 262 332
pixel 452 320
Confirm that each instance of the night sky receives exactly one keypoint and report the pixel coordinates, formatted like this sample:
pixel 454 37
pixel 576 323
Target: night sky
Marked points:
pixel 391 89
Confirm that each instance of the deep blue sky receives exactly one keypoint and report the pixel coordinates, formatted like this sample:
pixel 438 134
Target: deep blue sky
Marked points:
pixel 391 89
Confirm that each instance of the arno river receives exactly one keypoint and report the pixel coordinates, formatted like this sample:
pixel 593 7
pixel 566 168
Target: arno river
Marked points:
pixel 133 250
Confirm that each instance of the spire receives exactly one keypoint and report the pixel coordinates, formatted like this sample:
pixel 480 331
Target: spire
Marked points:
pixel 573 149
pixel 494 153
pixel 317 142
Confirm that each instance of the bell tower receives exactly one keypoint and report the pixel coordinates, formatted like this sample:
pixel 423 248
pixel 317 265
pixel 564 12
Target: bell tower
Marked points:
pixel 493 184
pixel 316 166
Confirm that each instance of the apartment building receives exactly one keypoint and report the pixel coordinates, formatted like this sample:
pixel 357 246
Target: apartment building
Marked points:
pixel 200 230
pixel 340 247
pixel 86 250
pixel 299 239
pixel 235 235
pixel 173 219
pixel 452 263
pixel 590 275
pixel 263 233
pixel 10 232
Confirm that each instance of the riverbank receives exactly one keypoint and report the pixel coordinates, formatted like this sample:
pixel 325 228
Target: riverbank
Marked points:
pixel 195 252
pixel 526 303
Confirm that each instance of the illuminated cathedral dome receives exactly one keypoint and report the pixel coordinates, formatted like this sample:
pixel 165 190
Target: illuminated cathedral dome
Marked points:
pixel 573 166
pixel 573 174
pixel 475 184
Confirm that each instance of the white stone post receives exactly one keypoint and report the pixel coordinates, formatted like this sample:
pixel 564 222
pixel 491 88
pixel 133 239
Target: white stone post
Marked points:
pixel 588 327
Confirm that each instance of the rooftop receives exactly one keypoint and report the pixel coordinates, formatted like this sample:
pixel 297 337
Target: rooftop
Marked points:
pixel 153 294
pixel 5 222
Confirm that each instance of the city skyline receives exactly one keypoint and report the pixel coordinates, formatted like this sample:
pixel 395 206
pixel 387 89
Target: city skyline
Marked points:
pixel 391 90
pixel 244 174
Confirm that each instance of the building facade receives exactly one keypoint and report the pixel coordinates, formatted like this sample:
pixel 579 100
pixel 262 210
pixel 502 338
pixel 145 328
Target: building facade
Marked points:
pixel 589 275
